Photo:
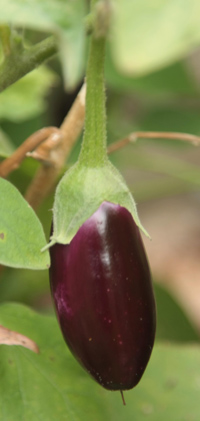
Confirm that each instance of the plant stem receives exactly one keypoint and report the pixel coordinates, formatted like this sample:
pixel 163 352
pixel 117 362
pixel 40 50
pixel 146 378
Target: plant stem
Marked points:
pixel 5 33
pixel 18 64
pixel 93 152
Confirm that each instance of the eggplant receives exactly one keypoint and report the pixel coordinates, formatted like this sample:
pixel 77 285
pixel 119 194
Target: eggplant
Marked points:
pixel 102 291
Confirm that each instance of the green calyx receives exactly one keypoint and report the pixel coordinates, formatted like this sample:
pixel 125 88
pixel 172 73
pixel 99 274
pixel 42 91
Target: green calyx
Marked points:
pixel 93 179
pixel 80 193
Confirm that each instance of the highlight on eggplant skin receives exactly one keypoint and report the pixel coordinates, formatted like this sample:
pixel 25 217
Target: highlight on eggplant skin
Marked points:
pixel 102 291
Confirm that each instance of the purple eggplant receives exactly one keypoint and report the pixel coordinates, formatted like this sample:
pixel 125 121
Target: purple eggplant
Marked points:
pixel 102 291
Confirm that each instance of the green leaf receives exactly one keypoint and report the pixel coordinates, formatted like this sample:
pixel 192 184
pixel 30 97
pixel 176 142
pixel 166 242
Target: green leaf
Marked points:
pixel 147 35
pixel 21 233
pixel 52 386
pixel 63 18
pixel 26 98
pixel 79 194
pixel 171 378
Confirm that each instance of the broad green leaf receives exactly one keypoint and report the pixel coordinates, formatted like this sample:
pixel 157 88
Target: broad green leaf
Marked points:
pixel 51 385
pixel 149 34
pixel 21 233
pixel 26 98
pixel 169 389
pixel 63 18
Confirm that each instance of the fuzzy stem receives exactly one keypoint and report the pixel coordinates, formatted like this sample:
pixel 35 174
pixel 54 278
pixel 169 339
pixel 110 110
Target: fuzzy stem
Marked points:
pixel 23 60
pixel 5 34
pixel 93 152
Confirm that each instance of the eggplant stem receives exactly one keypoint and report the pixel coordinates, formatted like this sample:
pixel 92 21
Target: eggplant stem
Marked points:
pixel 122 395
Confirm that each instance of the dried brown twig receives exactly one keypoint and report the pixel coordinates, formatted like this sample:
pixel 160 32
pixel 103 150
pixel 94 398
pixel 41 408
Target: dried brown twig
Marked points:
pixel 51 146
pixel 13 162
pixel 9 337
pixel 133 137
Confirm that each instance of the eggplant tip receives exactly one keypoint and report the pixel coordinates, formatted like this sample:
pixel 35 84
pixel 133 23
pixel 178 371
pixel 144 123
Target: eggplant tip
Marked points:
pixel 122 395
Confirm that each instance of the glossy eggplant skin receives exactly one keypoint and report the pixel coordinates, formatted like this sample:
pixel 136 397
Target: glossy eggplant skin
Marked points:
pixel 102 291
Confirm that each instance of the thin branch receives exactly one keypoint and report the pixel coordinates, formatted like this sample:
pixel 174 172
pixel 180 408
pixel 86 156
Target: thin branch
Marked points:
pixel 54 158
pixel 133 137
pixel 22 60
pixel 14 161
